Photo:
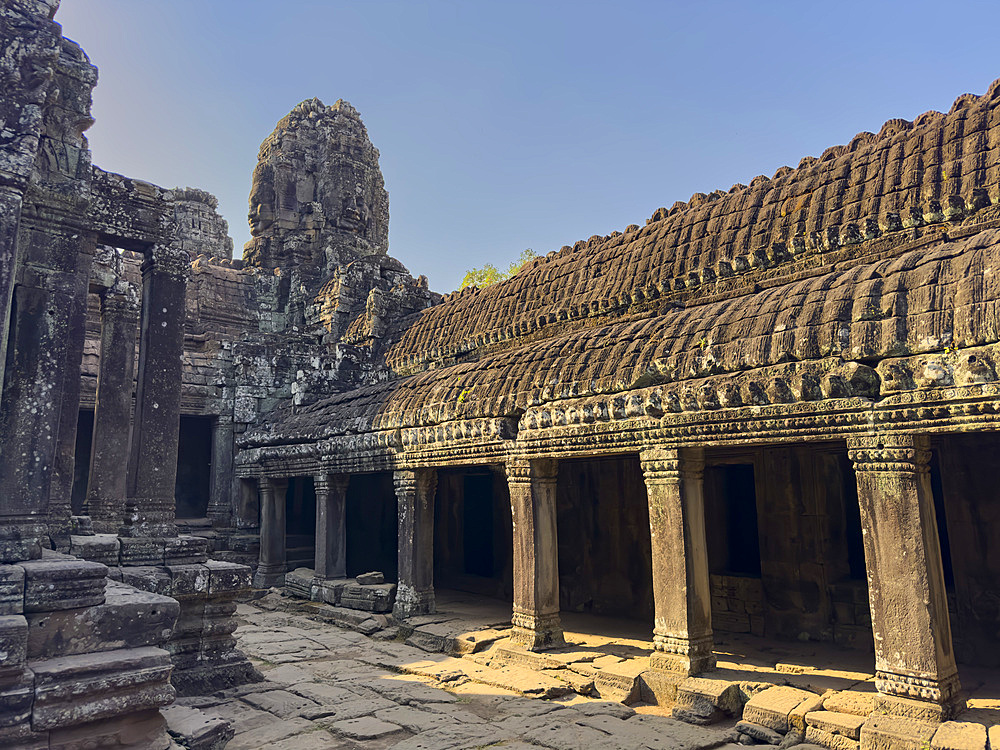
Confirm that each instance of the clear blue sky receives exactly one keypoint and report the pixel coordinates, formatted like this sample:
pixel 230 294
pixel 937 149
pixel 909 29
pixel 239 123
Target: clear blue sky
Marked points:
pixel 506 124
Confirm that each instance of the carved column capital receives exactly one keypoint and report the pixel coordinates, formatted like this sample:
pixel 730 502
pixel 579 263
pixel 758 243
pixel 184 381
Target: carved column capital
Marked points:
pixel 526 471
pixel 167 259
pixel 890 453
pixel 331 483
pixel 672 464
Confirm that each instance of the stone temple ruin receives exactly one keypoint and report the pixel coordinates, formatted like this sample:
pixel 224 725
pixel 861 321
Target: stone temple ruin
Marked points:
pixel 771 410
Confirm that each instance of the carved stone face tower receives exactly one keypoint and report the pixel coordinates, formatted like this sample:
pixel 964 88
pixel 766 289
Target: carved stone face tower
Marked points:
pixel 318 201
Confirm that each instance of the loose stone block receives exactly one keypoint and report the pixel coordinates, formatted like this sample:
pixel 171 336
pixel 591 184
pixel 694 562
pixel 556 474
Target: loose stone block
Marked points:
pixel 195 730
pixel 851 702
pixel 328 591
pixel 188 580
pixel 376 598
pixel 101 548
pixel 128 618
pixel 16 696
pixel 185 550
pixel 771 708
pixel 299 582
pixel 759 733
pixel 959 735
pixel 886 732
pixel 833 741
pixel 370 579
pixel 227 577
pixel 72 690
pixel 11 589
pixel 156 580
pixel 136 550
pixel 62 582
pixel 847 725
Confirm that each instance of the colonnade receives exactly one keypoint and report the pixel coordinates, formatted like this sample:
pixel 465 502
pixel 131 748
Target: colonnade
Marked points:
pixel 915 663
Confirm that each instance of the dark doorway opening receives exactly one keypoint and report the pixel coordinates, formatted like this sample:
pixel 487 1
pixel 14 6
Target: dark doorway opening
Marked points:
pixel 372 525
pixel 967 508
pixel 731 517
pixel 194 467
pixel 473 539
pixel 605 551
pixel 81 458
pixel 300 523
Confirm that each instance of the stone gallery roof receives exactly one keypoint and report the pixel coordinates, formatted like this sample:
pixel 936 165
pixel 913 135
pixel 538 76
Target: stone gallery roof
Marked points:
pixel 796 288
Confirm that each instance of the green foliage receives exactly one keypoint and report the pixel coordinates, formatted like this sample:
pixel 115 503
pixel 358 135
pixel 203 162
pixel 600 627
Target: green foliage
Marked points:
pixel 490 274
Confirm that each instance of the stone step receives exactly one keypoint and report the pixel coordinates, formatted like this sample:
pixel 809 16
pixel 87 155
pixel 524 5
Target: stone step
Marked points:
pixel 195 730
pixel 128 618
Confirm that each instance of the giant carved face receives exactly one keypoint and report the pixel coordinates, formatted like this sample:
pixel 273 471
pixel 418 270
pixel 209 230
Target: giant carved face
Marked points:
pixel 318 173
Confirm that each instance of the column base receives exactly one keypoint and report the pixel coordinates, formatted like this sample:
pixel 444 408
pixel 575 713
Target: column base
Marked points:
pixel 919 697
pixel 268 576
pixel 21 540
pixel 410 602
pixel 537 632
pixel 150 517
pixel 682 655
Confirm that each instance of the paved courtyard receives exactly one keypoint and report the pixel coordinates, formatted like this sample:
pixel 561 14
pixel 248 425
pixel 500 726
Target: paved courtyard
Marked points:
pixel 327 687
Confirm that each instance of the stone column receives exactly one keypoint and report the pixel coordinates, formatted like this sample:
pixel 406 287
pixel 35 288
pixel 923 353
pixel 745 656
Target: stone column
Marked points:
pixel 536 554
pixel 915 668
pixel 151 507
pixel 682 628
pixel 272 568
pixel 415 501
pixel 106 487
pixel 331 530
pixel 64 465
pixel 10 215
pixel 34 386
pixel 220 502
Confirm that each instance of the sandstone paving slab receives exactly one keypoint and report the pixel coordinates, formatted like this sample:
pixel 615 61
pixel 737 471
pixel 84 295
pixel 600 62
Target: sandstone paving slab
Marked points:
pixel 959 735
pixel 281 703
pixel 266 735
pixel 671 734
pixel 455 738
pixel 322 692
pixel 575 737
pixel 242 717
pixel 364 728
pixel 607 708
pixel 328 714
pixel 318 739
pixel 402 690
pixel 288 674
pixel 413 719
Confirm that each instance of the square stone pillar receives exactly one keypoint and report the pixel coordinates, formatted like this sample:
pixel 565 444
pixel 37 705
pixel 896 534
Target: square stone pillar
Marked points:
pixel 415 504
pixel 273 562
pixel 151 508
pixel 64 465
pixel 915 668
pixel 536 554
pixel 40 351
pixel 331 529
pixel 682 628
pixel 220 500
pixel 107 483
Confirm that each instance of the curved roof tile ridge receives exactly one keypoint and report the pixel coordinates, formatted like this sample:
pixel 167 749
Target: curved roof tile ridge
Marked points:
pixel 937 168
